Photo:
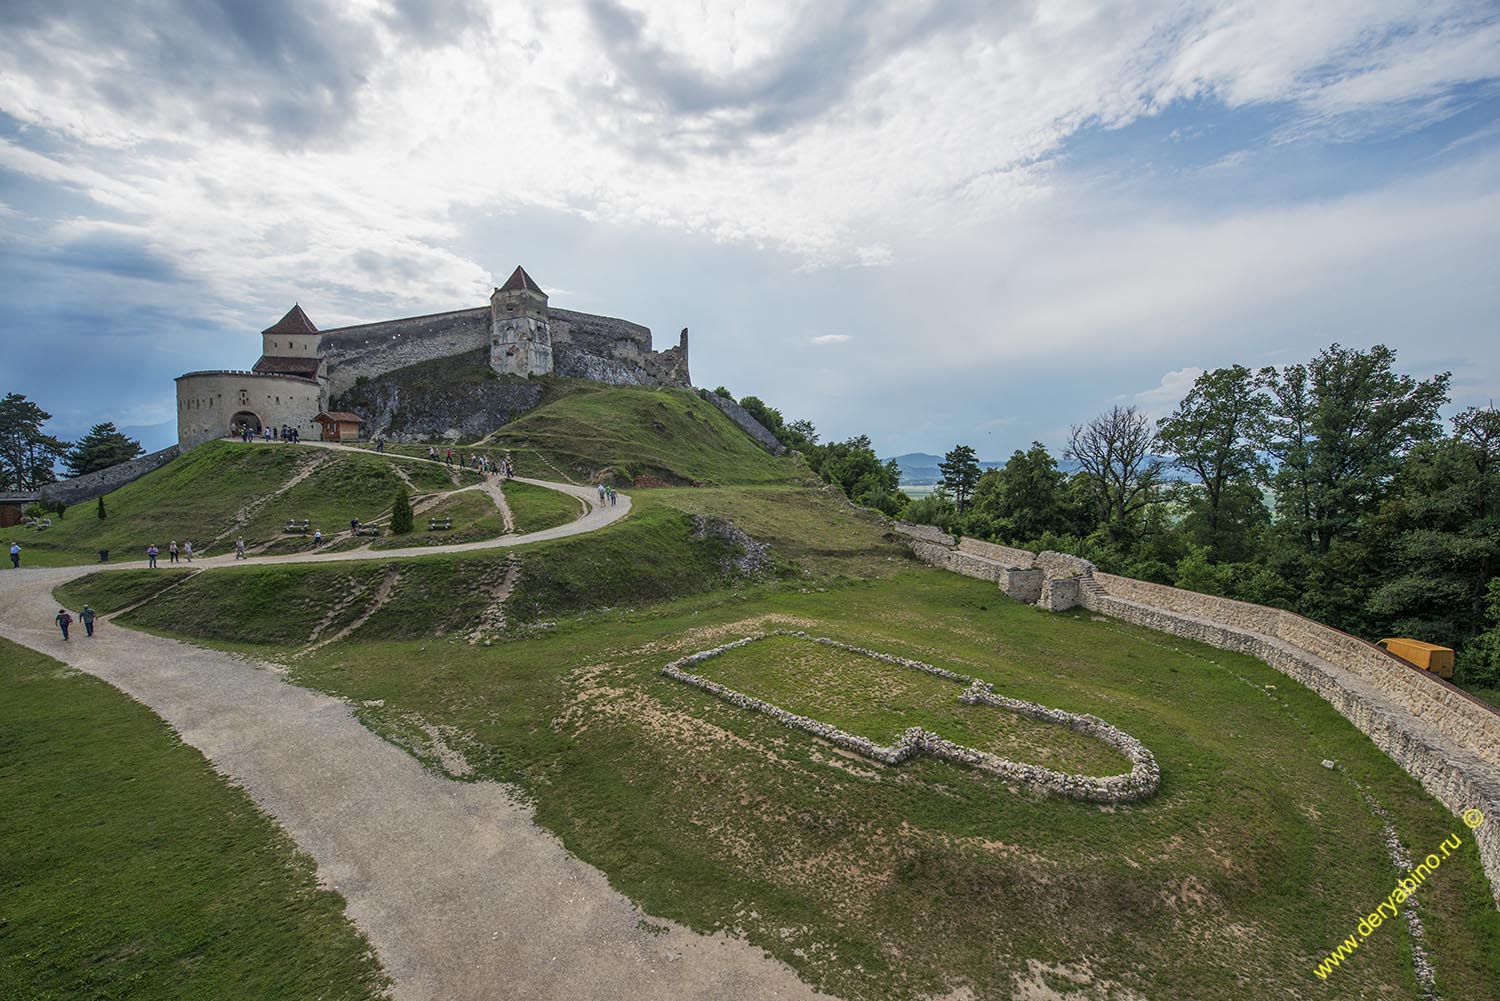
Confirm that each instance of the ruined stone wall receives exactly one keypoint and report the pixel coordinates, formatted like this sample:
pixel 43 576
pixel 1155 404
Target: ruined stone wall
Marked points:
pixel 453 398
pixel 607 349
pixel 91 485
pixel 373 349
pixel 747 423
pixel 1003 554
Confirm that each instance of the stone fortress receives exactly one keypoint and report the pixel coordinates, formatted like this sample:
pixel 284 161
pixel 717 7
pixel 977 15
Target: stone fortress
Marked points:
pixel 302 368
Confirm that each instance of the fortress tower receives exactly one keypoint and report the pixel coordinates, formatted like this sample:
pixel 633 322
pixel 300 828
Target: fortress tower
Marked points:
pixel 520 328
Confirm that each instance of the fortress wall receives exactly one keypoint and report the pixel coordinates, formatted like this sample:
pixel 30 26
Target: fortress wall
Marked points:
pixel 1455 714
pixel 603 336
pixel 1444 738
pixel 91 485
pixel 747 423
pixel 1450 756
pixel 208 401
pixel 1004 554
pixel 372 349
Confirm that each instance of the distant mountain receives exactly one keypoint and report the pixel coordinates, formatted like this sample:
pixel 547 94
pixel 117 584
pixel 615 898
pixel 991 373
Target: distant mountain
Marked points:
pixel 921 468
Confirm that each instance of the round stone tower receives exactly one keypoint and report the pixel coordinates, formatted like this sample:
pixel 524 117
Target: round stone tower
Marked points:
pixel 520 331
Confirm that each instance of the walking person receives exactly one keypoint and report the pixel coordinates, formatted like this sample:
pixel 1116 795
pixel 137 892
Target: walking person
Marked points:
pixel 317 537
pixel 601 493
pixel 172 551
pixel 612 496
pixel 151 554
pixel 87 618
pixel 15 555
pixel 187 550
pixel 239 548
pixel 64 620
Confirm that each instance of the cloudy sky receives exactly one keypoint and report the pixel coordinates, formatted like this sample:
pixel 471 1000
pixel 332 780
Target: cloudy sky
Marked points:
pixel 931 221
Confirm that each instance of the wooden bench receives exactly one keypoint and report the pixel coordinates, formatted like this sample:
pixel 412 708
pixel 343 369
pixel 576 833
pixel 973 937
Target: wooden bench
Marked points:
pixel 41 523
pixel 433 525
pixel 370 530
pixel 299 527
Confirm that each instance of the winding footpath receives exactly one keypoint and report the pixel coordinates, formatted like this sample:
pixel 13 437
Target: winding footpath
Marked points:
pixel 462 895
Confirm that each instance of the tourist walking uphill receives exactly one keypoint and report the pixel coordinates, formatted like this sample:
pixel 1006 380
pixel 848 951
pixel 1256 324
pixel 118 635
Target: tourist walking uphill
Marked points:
pixel 15 555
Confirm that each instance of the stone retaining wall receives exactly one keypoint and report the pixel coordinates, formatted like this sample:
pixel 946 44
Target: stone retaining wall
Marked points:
pixel 924 533
pixel 754 428
pixel 1443 737
pixel 1003 554
pixel 91 485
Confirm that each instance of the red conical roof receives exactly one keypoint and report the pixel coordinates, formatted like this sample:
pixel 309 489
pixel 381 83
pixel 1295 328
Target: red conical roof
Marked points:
pixel 520 281
pixel 294 322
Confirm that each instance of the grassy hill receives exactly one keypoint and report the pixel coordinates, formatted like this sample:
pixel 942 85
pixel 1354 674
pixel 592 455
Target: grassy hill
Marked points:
pixel 222 489
pixel 664 436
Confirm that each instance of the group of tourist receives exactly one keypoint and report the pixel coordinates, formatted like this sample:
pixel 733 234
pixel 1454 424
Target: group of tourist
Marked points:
pixel 607 494
pixel 247 433
pixel 64 620
pixel 505 468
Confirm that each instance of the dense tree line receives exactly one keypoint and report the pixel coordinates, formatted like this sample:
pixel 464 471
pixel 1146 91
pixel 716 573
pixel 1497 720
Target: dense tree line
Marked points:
pixel 29 455
pixel 1332 488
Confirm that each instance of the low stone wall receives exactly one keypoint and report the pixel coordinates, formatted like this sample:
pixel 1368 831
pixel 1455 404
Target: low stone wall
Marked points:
pixel 1141 781
pixel 923 533
pixel 747 423
pixel 1023 585
pixel 91 485
pixel 1059 594
pixel 1002 554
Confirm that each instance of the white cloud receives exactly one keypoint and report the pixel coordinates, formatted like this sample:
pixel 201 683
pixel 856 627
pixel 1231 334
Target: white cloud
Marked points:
pixel 1162 399
pixel 830 339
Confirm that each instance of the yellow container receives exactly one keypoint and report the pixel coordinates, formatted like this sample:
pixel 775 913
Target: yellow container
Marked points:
pixel 1427 656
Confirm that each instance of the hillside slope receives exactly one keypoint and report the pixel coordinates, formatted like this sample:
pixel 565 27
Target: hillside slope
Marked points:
pixel 651 437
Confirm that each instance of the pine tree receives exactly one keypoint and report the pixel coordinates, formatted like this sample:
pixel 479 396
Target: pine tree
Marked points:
pixel 960 469
pixel 102 447
pixel 401 512
pixel 102 515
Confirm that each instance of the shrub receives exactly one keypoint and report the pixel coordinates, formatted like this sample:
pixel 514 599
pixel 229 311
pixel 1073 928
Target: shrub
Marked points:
pixel 401 512
pixel 101 513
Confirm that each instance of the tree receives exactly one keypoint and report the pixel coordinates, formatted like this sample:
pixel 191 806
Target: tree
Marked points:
pixel 1340 428
pixel 101 513
pixel 770 418
pixel 804 430
pixel 853 466
pixel 1479 661
pixel 401 512
pixel 960 469
pixel 1212 435
pixel 1440 534
pixel 1114 453
pixel 102 447
pixel 27 453
pixel 1023 498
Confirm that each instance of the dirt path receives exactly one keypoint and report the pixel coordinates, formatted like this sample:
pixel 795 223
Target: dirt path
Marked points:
pixel 462 895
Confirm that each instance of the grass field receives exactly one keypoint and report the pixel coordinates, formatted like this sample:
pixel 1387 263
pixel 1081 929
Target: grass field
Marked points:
pixel 880 882
pixel 132 870
pixel 474 515
pixel 537 508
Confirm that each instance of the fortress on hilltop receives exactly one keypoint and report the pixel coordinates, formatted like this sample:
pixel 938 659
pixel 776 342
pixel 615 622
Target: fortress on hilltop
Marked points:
pixel 302 368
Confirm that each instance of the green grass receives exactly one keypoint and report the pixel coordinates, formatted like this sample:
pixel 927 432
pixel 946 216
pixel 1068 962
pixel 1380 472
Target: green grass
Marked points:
pixel 873 699
pixel 668 436
pixel 201 495
pixel 475 517
pixel 537 508
pixel 132 870
pixel 112 591
pixel 874 882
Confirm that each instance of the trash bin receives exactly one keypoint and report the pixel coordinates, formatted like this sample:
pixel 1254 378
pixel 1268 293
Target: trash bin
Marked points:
pixel 104 556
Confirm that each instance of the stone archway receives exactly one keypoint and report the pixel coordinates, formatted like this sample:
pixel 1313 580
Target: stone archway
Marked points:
pixel 244 417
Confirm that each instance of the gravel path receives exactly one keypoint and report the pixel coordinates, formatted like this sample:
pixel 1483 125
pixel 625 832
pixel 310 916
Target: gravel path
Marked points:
pixel 463 896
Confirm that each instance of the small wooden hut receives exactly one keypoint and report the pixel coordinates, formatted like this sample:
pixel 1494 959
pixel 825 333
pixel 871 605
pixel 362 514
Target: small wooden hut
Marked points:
pixel 339 425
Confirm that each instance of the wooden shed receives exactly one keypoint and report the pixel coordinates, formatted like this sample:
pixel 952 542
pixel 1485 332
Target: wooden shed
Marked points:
pixel 339 425
pixel 1427 656
pixel 13 506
